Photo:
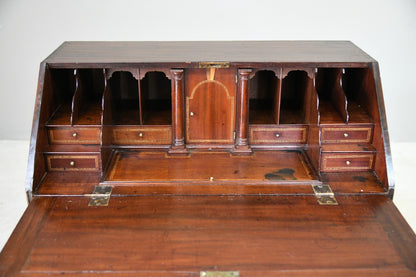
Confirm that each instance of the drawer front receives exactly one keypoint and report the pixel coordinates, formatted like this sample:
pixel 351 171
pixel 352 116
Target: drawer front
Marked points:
pixel 347 134
pixel 74 135
pixel 347 162
pixel 142 135
pixel 274 135
pixel 73 162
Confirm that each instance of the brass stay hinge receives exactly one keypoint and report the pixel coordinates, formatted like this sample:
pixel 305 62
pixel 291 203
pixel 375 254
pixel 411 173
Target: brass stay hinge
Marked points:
pixel 100 196
pixel 219 274
pixel 324 194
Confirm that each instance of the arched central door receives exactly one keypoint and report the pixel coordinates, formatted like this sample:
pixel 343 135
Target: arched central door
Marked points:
pixel 210 106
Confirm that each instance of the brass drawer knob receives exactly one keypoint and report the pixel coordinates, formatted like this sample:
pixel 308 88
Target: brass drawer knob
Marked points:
pixel 348 162
pixel 191 114
pixel 74 135
pixel 141 135
pixel 277 135
pixel 346 135
pixel 71 163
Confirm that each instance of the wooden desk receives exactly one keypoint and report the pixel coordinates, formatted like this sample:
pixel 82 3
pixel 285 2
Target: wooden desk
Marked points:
pixel 210 159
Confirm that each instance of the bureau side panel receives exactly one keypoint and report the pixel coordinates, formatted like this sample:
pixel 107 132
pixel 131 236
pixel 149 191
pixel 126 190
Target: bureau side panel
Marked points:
pixel 36 168
pixel 383 164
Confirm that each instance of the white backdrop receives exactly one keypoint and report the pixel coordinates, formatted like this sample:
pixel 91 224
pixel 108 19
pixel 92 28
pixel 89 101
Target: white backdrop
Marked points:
pixel 31 30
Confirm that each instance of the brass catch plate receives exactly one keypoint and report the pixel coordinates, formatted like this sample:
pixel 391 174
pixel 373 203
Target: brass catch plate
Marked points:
pixel 214 65
pixel 100 196
pixel 219 274
pixel 324 194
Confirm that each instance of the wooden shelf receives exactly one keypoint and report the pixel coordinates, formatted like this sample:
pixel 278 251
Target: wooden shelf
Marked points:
pixel 62 116
pixel 261 116
pixel 358 114
pixel 291 117
pixel 91 114
pixel 329 114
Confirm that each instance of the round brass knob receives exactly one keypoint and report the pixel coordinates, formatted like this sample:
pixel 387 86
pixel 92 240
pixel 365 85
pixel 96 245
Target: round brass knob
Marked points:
pixel 74 135
pixel 140 134
pixel 71 163
pixel 191 114
pixel 277 135
pixel 345 135
pixel 348 162
pixel 211 179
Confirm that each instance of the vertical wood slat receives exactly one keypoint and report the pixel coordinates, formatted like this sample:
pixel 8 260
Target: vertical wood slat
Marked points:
pixel 76 98
pixel 278 95
pixel 339 98
pixel 106 121
pixel 313 119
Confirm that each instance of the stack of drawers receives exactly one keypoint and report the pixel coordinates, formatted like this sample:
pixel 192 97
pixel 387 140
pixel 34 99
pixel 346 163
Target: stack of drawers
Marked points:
pixel 73 148
pixel 347 148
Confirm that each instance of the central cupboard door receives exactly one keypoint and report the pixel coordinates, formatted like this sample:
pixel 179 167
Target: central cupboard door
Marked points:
pixel 210 106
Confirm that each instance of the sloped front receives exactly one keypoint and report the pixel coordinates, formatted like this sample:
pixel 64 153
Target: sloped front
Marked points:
pixel 183 235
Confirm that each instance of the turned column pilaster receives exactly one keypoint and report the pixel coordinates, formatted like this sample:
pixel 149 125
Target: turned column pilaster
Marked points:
pixel 178 118
pixel 241 143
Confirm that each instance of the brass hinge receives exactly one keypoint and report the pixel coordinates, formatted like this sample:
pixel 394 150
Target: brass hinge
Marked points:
pixel 214 64
pixel 324 194
pixel 100 196
pixel 219 274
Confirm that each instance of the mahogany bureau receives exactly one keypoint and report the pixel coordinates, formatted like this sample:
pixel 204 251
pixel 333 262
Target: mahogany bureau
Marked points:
pixel 210 159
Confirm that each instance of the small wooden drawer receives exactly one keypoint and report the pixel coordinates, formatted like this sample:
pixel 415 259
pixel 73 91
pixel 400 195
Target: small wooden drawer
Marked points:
pixel 277 135
pixel 347 134
pixel 72 162
pixel 74 135
pixel 142 135
pixel 347 162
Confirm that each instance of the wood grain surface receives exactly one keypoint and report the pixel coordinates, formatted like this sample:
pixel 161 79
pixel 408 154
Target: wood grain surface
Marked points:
pixel 181 236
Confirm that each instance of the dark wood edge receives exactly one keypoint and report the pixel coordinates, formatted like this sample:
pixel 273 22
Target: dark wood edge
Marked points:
pixel 29 186
pixel 384 129
pixel 186 65
pixel 19 245
pixel 245 273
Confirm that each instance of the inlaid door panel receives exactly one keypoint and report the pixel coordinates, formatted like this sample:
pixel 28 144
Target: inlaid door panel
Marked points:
pixel 210 106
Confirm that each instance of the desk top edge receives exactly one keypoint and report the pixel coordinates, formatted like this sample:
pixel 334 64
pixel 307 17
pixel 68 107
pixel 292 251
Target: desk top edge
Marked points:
pixel 105 52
